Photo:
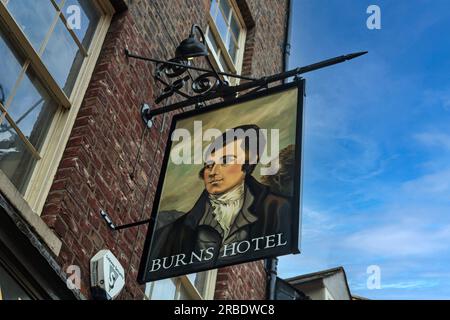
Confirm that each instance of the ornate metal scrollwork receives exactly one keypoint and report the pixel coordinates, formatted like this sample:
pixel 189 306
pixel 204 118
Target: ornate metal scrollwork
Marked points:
pixel 172 88
pixel 172 75
pixel 170 70
pixel 205 83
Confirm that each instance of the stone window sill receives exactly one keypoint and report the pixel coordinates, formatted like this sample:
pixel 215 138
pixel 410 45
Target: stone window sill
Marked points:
pixel 33 219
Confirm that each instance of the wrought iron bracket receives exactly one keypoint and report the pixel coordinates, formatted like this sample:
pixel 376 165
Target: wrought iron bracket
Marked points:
pixel 113 227
pixel 209 86
pixel 145 110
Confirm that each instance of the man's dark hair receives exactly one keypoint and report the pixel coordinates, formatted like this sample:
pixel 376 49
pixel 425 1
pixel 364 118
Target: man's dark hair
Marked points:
pixel 249 166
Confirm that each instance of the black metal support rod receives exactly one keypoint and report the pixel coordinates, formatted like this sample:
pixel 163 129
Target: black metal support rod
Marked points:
pixel 212 96
pixel 329 62
pixel 256 83
pixel 131 225
pixel 134 56
pixel 271 270
pixel 113 227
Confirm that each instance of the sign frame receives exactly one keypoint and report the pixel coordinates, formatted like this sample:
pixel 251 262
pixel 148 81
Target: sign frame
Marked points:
pixel 297 185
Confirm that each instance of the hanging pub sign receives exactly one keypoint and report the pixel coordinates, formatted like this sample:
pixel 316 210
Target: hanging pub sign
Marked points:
pixel 229 189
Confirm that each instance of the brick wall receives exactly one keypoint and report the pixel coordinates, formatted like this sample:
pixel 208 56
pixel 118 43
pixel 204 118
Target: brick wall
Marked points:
pixel 265 40
pixel 101 169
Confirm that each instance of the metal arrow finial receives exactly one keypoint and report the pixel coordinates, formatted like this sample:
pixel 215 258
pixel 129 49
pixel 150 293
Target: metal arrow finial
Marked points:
pixel 329 62
pixel 355 55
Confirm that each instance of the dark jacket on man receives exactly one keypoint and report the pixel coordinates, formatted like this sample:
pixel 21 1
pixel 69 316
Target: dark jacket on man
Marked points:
pixel 263 213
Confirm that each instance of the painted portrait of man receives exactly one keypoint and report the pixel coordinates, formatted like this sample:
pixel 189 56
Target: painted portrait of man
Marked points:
pixel 234 207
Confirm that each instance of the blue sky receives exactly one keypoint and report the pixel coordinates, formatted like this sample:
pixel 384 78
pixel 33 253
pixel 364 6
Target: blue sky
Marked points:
pixel 377 146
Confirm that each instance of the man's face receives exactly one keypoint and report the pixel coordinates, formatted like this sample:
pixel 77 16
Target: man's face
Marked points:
pixel 223 169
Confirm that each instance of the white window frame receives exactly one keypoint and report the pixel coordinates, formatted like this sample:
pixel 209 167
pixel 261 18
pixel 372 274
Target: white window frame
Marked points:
pixel 58 134
pixel 183 282
pixel 235 68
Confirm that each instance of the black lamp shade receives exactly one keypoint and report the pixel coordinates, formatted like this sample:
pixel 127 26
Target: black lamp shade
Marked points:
pixel 190 48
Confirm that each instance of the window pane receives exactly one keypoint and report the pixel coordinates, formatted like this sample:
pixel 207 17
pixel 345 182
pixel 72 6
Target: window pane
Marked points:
pixel 213 9
pixel 235 29
pixel 232 50
pixel 224 64
pixel 161 290
pixel 199 281
pixel 10 289
pixel 63 58
pixel 225 6
pixel 222 27
pixel 184 295
pixel 15 160
pixel 10 66
pixel 89 18
pixel 32 110
pixel 62 55
pixel 212 41
pixel 34 17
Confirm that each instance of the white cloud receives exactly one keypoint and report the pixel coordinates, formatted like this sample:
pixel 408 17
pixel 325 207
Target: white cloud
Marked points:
pixel 316 224
pixel 400 240
pixel 429 139
pixel 437 97
pixel 435 184
pixel 410 284
pixel 414 284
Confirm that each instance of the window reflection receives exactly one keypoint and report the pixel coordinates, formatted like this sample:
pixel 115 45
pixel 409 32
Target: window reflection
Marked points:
pixel 224 64
pixel 10 289
pixel 177 288
pixel 89 19
pixel 213 8
pixel 232 50
pixel 222 27
pixel 61 54
pixel 235 28
pixel 10 67
pixel 32 110
pixel 212 41
pixel 199 281
pixel 34 17
pixel 225 6
pixel 161 290
pixel 63 58
pixel 183 294
pixel 16 161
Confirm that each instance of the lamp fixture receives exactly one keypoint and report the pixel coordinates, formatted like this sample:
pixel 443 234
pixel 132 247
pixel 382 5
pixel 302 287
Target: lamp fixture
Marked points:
pixel 191 48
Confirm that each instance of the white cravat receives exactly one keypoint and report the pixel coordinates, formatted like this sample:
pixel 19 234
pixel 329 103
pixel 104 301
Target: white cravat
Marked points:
pixel 226 206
